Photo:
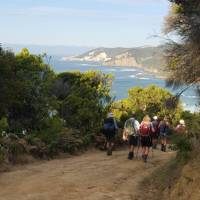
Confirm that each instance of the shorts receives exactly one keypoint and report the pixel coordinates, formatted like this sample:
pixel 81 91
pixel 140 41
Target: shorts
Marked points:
pixel 146 141
pixel 163 135
pixel 133 140
pixel 154 136
pixel 110 137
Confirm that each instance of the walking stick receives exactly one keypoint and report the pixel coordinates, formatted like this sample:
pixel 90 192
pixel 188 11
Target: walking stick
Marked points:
pixel 138 146
pixel 151 145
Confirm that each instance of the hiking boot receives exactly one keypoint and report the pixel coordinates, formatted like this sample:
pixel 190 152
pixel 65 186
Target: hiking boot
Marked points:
pixel 109 152
pixel 155 146
pixel 144 157
pixel 162 147
pixel 130 155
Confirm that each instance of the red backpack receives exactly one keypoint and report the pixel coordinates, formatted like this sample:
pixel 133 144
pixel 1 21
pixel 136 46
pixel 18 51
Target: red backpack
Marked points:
pixel 145 129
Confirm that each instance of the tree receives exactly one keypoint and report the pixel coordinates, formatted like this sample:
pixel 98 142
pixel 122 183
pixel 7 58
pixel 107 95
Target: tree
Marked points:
pixel 7 63
pixel 84 99
pixel 183 56
pixel 150 100
pixel 26 97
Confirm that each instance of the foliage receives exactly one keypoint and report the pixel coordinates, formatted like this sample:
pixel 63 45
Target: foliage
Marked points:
pixel 183 57
pixel 183 144
pixel 26 94
pixel 48 113
pixel 3 124
pixel 70 141
pixel 85 99
pixel 150 100
pixel 187 143
pixel 48 136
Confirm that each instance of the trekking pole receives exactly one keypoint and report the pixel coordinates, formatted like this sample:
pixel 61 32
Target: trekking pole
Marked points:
pixel 152 151
pixel 138 146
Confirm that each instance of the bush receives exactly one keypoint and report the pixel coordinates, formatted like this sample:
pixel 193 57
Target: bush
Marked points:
pixel 47 138
pixel 3 124
pixel 150 100
pixel 70 141
pixel 84 100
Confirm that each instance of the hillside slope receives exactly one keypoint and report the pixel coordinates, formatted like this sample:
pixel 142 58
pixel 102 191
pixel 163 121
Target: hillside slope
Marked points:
pixel 149 58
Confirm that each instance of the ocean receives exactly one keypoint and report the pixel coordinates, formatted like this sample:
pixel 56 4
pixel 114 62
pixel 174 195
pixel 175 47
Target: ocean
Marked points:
pixel 126 78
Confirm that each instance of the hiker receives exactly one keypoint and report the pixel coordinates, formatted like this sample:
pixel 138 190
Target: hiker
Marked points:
pixel 164 131
pixel 131 133
pixel 155 133
pixel 109 130
pixel 145 130
pixel 181 128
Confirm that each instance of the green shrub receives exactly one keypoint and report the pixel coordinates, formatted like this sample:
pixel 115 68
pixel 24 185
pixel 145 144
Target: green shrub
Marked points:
pixel 70 141
pixel 1 154
pixel 183 145
pixel 47 138
pixel 3 124
pixel 150 100
pixel 85 99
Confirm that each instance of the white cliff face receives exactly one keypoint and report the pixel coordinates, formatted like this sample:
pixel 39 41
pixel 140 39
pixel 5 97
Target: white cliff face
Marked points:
pixel 91 57
pixel 96 57
pixel 124 59
pixel 149 58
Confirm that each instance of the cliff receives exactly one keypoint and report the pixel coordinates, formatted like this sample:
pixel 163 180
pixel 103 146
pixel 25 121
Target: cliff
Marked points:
pixel 149 58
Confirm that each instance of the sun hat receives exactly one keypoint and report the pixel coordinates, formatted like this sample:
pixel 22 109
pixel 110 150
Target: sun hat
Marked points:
pixel 110 115
pixel 155 117
pixel 182 122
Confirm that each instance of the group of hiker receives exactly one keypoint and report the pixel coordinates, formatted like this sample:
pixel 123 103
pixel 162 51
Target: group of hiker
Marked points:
pixel 140 136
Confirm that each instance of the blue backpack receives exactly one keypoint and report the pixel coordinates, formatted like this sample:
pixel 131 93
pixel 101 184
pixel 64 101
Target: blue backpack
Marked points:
pixel 109 127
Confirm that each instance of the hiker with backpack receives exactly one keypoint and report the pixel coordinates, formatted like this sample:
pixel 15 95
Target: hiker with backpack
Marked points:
pixel 145 132
pixel 155 133
pixel 164 131
pixel 181 128
pixel 131 134
pixel 109 130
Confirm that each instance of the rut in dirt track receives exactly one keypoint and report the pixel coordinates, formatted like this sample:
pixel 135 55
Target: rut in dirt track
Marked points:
pixel 91 176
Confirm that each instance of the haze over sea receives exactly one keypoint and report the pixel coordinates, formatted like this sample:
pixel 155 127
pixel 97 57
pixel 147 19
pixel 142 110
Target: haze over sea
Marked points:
pixel 125 78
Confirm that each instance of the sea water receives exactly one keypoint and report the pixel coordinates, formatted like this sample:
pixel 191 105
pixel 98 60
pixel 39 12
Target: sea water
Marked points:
pixel 126 78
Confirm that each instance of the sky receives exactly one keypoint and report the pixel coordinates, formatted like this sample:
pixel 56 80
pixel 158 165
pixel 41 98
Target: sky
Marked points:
pixel 95 23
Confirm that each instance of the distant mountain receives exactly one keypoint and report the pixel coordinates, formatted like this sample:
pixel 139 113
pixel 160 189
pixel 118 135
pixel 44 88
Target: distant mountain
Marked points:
pixel 149 58
pixel 56 50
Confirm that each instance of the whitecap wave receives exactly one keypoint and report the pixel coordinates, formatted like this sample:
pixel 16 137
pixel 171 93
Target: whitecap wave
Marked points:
pixel 84 64
pixel 128 70
pixel 138 74
pixel 110 70
pixel 132 76
pixel 88 65
pixel 143 78
pixel 190 96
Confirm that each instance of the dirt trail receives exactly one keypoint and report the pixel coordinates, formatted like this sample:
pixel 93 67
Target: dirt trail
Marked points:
pixel 91 176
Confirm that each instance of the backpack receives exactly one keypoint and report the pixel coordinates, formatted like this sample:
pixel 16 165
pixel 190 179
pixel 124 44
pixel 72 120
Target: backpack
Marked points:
pixel 109 126
pixel 130 127
pixel 164 128
pixel 155 125
pixel 145 129
pixel 181 129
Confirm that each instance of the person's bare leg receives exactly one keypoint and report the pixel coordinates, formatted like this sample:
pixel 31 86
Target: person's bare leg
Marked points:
pixel 130 153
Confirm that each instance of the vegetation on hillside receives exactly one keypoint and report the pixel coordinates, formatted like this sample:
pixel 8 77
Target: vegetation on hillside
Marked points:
pixel 44 113
pixel 150 100
pixel 183 55
pixel 183 61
